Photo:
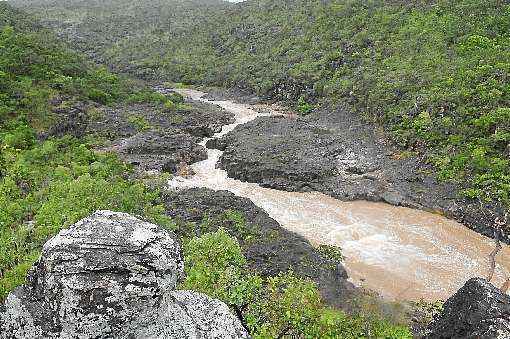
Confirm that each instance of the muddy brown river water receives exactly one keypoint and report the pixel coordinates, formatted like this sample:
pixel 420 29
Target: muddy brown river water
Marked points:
pixel 398 252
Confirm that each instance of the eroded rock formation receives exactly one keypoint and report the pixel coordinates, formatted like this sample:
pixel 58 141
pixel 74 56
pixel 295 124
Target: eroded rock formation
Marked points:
pixel 112 275
pixel 477 310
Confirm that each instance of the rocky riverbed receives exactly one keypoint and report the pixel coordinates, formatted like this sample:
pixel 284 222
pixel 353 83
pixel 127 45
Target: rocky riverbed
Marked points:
pixel 269 248
pixel 403 253
pixel 336 153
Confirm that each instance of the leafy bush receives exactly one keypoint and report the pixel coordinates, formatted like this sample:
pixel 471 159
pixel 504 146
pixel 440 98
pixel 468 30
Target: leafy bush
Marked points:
pixel 331 252
pixel 52 185
pixel 304 107
pixel 216 266
pixel 140 123
pixel 273 307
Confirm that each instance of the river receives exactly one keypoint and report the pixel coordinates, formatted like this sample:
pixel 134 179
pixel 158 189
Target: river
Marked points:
pixel 401 253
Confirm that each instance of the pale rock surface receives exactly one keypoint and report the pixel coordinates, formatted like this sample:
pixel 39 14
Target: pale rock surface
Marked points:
pixel 112 275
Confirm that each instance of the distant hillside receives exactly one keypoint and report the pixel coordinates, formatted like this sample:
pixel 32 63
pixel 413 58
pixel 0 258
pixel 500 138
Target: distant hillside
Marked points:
pixel 435 74
pixel 124 34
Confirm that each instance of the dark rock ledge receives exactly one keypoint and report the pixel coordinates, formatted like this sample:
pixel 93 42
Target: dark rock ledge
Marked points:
pixel 112 276
pixel 336 153
pixel 269 248
pixel 478 310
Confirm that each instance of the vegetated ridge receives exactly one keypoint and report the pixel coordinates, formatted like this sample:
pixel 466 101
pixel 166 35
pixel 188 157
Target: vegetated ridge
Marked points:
pixel 61 117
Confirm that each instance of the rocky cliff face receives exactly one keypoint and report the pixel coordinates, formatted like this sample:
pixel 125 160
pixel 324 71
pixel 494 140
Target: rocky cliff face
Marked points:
pixel 477 310
pixel 112 275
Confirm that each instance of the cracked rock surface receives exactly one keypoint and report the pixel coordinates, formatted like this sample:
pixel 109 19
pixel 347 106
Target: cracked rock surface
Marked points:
pixel 335 152
pixel 161 151
pixel 477 310
pixel 112 275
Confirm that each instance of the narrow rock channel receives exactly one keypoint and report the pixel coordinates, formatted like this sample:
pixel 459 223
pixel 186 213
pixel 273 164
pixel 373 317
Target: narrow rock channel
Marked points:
pixel 398 252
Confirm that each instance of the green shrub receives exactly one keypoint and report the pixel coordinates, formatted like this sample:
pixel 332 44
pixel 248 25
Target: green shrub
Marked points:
pixel 140 123
pixel 304 107
pixel 285 305
pixel 215 265
pixel 146 95
pixel 331 252
pixel 52 185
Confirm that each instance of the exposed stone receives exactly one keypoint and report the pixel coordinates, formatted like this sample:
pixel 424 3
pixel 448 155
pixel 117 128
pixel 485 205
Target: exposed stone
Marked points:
pixel 161 150
pixel 477 310
pixel 196 118
pixel 335 152
pixel 289 155
pixel 269 248
pixel 112 275
pixel 69 121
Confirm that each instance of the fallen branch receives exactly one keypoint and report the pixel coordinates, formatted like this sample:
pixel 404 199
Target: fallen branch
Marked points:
pixel 498 224
pixel 493 254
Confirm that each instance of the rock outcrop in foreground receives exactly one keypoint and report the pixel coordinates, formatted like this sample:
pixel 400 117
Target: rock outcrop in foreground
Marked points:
pixel 112 275
pixel 269 248
pixel 477 310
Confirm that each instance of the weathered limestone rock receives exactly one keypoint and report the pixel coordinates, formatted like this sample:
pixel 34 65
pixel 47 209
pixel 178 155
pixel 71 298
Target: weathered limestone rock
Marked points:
pixel 112 275
pixel 477 310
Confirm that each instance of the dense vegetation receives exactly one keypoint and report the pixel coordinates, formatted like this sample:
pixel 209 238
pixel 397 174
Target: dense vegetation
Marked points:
pixel 275 307
pixel 109 29
pixel 434 73
pixel 47 183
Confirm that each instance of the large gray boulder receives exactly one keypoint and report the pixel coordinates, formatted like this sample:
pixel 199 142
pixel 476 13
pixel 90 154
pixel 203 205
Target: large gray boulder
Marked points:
pixel 112 276
pixel 477 310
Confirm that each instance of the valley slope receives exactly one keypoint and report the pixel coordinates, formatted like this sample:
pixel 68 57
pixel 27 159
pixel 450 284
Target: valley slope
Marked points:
pixel 433 74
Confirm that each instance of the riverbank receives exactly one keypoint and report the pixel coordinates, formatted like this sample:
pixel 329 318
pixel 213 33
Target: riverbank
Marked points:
pixel 401 253
pixel 335 151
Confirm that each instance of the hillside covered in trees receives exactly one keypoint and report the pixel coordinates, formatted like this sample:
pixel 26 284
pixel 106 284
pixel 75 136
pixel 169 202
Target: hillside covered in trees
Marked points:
pixel 433 73
pixel 50 176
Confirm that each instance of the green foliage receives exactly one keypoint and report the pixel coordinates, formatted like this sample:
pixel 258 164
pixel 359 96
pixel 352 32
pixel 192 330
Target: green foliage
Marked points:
pixel 331 252
pixel 48 185
pixel 304 107
pixel 34 68
pixel 271 307
pixel 146 96
pixel 170 101
pixel 51 185
pixel 215 265
pixel 100 86
pixel 139 122
pixel 288 306
pixel 232 221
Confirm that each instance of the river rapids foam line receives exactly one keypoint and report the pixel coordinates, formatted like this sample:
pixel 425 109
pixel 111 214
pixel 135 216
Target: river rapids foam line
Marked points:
pixel 401 253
